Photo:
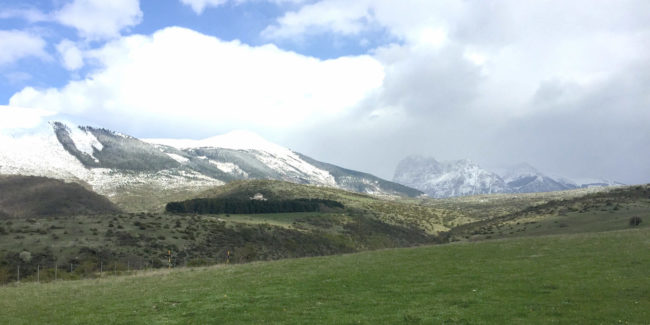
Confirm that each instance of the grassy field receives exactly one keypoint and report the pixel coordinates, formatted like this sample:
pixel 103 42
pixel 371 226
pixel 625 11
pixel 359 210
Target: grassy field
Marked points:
pixel 595 278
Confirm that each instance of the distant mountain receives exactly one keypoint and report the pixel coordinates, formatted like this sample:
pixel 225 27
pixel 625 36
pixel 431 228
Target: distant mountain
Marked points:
pixel 446 179
pixel 595 182
pixel 114 164
pixel 524 178
pixel 463 177
pixel 31 196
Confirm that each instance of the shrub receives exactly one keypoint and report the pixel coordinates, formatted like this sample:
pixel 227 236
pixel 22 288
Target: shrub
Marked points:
pixel 25 256
pixel 635 221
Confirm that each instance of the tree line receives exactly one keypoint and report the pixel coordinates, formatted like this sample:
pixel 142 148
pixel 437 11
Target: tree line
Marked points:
pixel 247 206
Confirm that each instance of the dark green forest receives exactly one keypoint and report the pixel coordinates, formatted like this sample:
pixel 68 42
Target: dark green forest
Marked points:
pixel 248 206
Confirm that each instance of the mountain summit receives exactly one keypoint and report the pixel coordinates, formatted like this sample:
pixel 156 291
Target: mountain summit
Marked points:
pixel 445 179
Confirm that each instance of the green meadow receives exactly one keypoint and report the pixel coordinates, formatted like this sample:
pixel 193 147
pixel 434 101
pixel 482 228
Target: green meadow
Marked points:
pixel 590 278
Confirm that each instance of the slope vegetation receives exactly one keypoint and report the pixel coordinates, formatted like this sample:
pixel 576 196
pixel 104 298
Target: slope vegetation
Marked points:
pixel 333 221
pixel 31 196
pixel 605 210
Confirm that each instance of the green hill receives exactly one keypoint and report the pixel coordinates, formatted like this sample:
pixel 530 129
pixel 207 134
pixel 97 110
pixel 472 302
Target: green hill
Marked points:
pixel 606 210
pixel 341 222
pixel 86 242
pixel 31 196
pixel 598 278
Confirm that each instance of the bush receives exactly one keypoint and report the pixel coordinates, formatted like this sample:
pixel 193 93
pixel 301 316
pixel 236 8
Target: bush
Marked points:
pixel 635 221
pixel 25 256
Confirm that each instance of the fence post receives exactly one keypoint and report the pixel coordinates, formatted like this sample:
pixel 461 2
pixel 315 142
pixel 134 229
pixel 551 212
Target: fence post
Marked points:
pixel 56 271
pixel 18 278
pixel 38 273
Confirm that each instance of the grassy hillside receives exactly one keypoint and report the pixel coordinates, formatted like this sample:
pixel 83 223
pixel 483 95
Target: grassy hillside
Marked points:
pixel 596 278
pixel 604 210
pixel 425 214
pixel 83 243
pixel 80 245
pixel 31 196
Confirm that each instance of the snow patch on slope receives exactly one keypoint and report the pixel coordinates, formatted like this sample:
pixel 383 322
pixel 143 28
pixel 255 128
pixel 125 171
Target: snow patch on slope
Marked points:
pixel 176 157
pixel 235 140
pixel 229 168
pixel 85 141
pixel 38 154
pixel 107 182
pixel 282 160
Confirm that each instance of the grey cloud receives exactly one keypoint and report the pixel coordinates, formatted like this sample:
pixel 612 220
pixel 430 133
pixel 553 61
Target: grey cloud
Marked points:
pixel 603 132
pixel 428 82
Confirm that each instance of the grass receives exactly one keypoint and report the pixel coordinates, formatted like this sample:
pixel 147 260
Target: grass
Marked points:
pixel 585 278
pixel 600 211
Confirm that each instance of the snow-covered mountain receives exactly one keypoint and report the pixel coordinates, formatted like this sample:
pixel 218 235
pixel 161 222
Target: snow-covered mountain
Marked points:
pixel 524 178
pixel 110 162
pixel 462 177
pixel 446 179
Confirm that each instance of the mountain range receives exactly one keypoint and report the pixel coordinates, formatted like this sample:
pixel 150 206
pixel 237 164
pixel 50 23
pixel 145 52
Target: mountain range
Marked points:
pixel 121 166
pixel 464 177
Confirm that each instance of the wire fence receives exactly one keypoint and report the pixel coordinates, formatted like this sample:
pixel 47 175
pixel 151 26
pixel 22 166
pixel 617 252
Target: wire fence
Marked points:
pixel 55 271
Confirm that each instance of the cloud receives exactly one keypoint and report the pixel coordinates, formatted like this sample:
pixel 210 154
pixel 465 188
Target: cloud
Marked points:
pixel 31 15
pixel 12 118
pixel 410 21
pixel 181 78
pixel 494 81
pixel 71 55
pixel 200 5
pixel 15 45
pixel 343 17
pixel 560 84
pixel 99 19
pixel 588 131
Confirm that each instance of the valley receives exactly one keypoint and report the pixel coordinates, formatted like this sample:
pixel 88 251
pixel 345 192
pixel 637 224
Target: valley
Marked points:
pixel 114 213
pixel 82 244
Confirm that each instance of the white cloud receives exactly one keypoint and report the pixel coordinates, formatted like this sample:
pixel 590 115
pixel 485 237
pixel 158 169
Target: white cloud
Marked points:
pixel 517 44
pixel 31 15
pixel 100 19
pixel 12 118
pixel 414 22
pixel 15 45
pixel 200 5
pixel 71 55
pixel 339 16
pixel 181 76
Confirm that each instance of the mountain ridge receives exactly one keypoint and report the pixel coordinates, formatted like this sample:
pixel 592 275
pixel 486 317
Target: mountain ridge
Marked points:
pixel 118 165
pixel 464 177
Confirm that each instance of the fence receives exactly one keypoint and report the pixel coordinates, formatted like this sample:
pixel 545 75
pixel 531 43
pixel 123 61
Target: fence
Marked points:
pixel 47 272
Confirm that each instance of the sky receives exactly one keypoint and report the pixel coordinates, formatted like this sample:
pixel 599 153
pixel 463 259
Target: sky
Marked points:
pixel 561 85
